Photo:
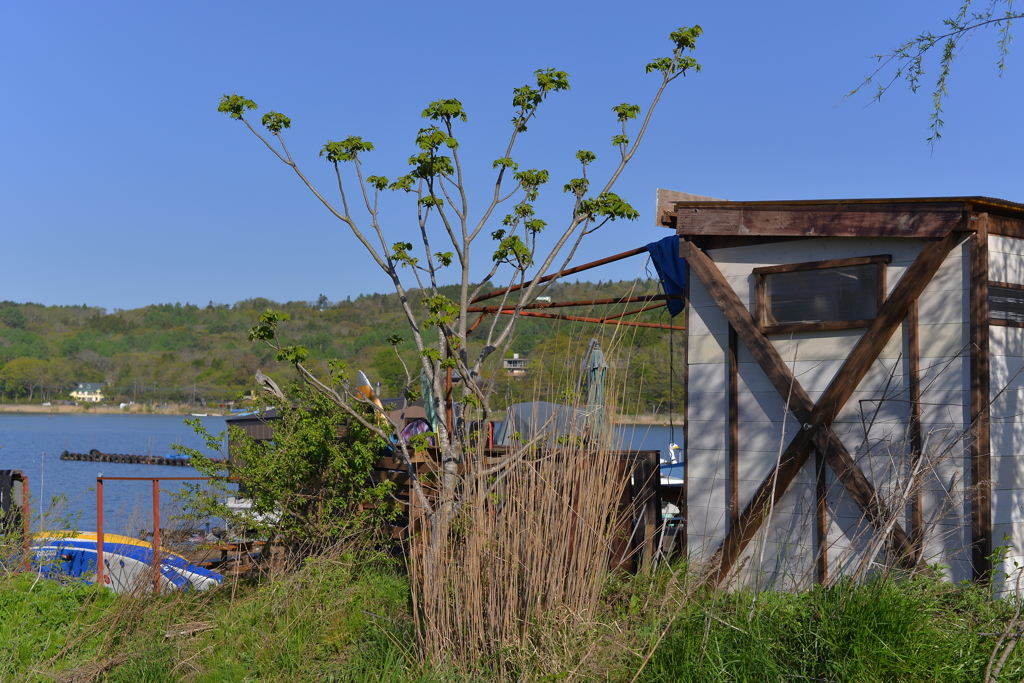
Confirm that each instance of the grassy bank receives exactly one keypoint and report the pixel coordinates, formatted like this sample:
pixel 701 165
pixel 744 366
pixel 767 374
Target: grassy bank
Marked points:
pixel 341 620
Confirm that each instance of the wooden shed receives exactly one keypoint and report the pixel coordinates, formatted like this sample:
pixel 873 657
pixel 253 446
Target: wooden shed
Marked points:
pixel 854 385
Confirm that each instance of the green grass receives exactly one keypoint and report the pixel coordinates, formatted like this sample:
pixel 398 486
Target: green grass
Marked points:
pixel 338 619
pixel 887 630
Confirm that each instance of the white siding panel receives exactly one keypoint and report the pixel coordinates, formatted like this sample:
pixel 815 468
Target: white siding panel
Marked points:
pixel 1008 507
pixel 1005 245
pixel 1005 372
pixel 708 435
pixel 942 374
pixel 706 406
pixel 944 341
pixel 1005 268
pixel 708 378
pixel 935 307
pixel 1006 341
pixel 814 346
pixel 700 297
pixel 951 275
pixel 706 348
pixel 1008 472
pixel 707 320
pixel 706 464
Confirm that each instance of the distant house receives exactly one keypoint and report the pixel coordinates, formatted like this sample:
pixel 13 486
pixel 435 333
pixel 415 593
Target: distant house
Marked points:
pixel 89 392
pixel 516 366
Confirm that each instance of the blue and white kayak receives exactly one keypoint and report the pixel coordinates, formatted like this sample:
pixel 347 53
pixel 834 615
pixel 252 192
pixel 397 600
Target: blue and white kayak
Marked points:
pixel 127 562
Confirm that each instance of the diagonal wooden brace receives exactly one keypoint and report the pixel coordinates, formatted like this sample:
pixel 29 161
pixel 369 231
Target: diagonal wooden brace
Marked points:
pixel 816 418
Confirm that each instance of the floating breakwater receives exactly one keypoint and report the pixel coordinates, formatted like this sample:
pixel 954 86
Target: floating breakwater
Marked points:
pixel 98 456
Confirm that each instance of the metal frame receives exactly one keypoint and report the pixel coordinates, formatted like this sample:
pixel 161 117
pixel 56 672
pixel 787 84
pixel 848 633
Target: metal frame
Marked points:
pixel 156 521
pixel 526 310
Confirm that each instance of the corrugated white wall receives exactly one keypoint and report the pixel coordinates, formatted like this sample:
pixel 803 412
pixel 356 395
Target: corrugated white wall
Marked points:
pixel 873 425
pixel 1006 348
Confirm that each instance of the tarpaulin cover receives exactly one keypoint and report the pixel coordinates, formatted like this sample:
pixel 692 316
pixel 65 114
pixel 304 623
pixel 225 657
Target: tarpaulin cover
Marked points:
pixel 671 270
pixel 539 420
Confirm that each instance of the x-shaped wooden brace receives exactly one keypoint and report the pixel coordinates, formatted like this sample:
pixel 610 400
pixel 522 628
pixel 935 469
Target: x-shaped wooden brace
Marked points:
pixel 816 418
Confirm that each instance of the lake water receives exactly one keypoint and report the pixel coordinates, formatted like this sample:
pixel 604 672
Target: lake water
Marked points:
pixel 33 443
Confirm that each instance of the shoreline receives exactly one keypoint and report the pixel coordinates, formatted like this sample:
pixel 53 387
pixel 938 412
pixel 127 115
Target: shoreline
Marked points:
pixel 97 410
pixel 184 411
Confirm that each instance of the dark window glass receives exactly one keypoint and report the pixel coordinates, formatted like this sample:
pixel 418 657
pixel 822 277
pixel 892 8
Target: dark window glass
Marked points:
pixel 824 295
pixel 1005 304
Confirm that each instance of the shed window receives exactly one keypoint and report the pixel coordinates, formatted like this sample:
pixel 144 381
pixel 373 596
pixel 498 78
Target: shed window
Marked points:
pixel 1006 304
pixel 822 295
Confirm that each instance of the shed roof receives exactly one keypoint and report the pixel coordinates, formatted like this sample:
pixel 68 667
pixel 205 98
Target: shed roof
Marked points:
pixel 691 215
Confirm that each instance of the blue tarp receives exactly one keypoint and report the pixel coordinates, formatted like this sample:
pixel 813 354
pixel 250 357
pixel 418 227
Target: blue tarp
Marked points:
pixel 671 270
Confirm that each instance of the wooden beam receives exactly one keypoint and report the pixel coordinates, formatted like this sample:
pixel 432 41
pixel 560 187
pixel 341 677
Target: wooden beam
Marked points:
pixel 816 418
pixel 981 469
pixel 821 518
pixel 684 508
pixel 734 431
pixel 914 418
pixel 906 219
pixel 1006 227
pixel 665 205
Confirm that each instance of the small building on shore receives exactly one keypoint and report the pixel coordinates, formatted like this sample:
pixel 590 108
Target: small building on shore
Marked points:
pixel 855 383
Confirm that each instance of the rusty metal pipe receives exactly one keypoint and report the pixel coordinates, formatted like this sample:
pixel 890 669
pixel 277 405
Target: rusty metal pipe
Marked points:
pixel 156 535
pixel 26 521
pixel 567 271
pixel 99 530
pixel 578 318
pixel 568 304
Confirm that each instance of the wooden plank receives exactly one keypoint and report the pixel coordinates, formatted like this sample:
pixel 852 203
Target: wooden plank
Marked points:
pixel 665 204
pixel 934 219
pixel 823 326
pixel 734 430
pixel 981 472
pixel 1005 226
pixel 822 265
pixel 684 510
pixel 819 416
pixel 821 518
pixel 916 441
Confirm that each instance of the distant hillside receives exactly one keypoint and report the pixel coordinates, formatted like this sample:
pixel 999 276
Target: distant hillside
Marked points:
pixel 190 353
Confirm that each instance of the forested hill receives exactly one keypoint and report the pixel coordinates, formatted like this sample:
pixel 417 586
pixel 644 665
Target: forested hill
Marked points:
pixel 191 353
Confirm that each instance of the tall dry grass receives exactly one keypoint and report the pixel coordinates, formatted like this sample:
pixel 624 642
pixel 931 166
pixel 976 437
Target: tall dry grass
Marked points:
pixel 520 568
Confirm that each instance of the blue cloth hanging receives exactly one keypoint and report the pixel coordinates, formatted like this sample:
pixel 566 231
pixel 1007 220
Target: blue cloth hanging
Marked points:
pixel 671 270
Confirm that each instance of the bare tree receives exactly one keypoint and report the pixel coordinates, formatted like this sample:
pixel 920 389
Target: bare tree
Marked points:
pixel 445 217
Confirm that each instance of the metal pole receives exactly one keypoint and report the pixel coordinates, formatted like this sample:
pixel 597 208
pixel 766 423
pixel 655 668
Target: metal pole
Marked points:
pixel 156 535
pixel 565 304
pixel 99 530
pixel 567 271
pixel 26 521
pixel 577 318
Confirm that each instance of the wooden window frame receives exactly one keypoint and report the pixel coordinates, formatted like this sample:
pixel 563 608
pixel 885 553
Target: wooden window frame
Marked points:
pixel 1000 322
pixel 779 328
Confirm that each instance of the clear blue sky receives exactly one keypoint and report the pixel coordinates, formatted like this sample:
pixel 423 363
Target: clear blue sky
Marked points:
pixel 120 184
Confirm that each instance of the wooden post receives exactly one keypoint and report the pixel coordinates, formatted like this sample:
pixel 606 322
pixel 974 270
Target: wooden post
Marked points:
pixel 821 516
pixel 684 510
pixel 981 469
pixel 916 441
pixel 734 431
pixel 26 521
pixel 99 530
pixel 156 535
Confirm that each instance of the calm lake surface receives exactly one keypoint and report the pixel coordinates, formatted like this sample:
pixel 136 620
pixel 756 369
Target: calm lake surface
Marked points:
pixel 33 444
